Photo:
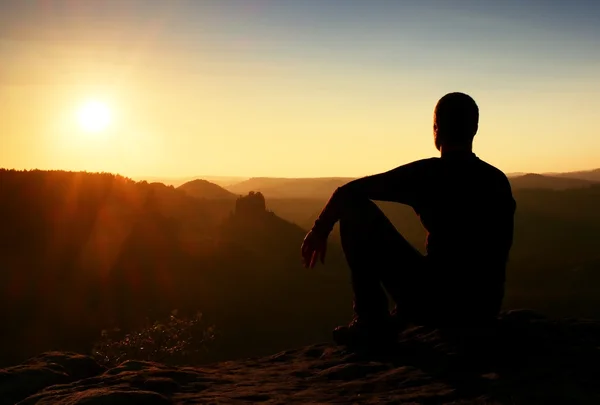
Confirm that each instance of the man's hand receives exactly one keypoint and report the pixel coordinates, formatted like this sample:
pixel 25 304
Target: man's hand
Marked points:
pixel 314 248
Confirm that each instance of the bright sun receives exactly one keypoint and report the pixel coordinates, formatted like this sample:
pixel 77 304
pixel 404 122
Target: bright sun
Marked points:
pixel 94 116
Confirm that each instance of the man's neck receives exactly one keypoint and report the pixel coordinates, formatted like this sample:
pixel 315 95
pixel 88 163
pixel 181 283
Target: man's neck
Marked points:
pixel 456 150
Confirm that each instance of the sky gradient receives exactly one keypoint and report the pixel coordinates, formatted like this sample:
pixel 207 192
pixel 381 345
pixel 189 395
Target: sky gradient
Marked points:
pixel 295 88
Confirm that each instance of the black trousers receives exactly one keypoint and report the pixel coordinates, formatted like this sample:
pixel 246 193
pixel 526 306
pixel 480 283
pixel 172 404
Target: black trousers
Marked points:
pixel 381 259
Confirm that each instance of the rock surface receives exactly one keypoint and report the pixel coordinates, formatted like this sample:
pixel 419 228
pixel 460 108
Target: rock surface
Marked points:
pixel 528 360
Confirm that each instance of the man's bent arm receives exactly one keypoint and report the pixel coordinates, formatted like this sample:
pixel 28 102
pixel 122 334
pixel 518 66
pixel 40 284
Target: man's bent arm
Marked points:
pixel 397 185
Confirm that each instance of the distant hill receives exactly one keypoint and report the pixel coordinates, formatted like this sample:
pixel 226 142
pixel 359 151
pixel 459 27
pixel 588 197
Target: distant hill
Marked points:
pixel 273 187
pixel 222 181
pixel 591 175
pixel 204 189
pixel 322 188
pixel 534 180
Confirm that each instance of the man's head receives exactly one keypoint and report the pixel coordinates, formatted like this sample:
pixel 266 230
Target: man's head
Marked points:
pixel 455 121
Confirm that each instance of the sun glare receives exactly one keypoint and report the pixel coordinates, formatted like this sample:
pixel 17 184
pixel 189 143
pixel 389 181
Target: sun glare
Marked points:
pixel 94 116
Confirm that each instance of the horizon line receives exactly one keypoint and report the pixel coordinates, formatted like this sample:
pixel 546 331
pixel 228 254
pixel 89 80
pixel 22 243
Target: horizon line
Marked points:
pixel 213 176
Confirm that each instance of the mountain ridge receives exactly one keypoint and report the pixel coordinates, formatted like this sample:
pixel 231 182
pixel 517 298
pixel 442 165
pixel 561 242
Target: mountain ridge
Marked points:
pixel 204 189
pixel 87 252
pixel 323 187
pixel 593 174
pixel 544 181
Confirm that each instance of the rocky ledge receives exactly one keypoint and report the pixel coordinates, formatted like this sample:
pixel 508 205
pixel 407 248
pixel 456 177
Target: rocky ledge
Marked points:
pixel 527 360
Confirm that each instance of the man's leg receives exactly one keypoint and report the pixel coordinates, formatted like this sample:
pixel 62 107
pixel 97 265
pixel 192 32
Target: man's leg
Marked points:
pixel 377 255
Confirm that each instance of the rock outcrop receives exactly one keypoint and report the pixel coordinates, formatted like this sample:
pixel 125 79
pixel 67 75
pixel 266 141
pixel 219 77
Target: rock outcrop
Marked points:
pixel 527 360
pixel 252 204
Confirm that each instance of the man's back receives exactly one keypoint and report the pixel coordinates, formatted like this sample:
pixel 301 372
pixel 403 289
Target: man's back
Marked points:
pixel 467 208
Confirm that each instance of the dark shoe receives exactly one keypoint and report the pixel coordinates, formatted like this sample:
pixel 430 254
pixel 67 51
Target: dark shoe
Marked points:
pixel 361 332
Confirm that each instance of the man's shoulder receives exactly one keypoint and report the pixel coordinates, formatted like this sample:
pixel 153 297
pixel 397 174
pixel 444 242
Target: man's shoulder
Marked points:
pixel 416 165
pixel 493 170
pixel 435 164
pixel 425 163
pixel 495 175
pixel 423 168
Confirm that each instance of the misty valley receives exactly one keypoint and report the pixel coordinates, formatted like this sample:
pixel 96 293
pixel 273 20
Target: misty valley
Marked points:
pixel 89 257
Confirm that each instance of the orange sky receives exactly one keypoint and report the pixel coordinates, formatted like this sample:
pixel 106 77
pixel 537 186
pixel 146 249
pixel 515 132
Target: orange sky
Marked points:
pixel 208 90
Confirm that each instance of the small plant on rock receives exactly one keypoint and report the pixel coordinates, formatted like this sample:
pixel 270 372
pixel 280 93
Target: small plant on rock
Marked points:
pixel 178 340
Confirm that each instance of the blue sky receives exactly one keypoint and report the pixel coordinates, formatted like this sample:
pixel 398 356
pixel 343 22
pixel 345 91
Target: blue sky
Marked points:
pixel 385 34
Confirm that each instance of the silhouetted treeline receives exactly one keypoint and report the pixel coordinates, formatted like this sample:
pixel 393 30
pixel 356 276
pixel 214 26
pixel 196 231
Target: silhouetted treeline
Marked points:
pixel 80 252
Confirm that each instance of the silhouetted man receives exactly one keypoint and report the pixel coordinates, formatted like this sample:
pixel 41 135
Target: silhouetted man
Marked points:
pixel 467 208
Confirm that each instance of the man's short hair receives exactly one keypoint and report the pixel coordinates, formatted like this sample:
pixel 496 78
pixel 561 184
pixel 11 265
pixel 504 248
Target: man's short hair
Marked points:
pixel 456 117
